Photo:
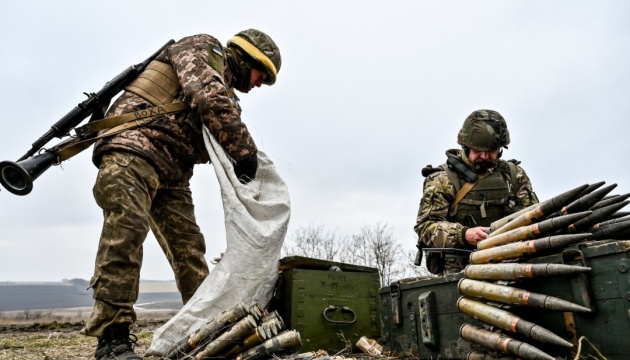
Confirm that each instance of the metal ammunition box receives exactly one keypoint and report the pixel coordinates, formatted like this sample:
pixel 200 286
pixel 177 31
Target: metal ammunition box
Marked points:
pixel 605 289
pixel 331 304
pixel 420 316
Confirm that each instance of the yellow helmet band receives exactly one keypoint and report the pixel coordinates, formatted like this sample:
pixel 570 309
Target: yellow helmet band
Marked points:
pixel 255 53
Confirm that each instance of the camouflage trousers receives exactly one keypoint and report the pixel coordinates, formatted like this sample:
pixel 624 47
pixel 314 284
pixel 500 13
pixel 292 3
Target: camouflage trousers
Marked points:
pixel 134 200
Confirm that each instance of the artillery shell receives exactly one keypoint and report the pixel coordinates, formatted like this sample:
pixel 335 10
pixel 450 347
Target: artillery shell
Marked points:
pixel 499 342
pixel 532 231
pixel 535 212
pixel 514 296
pixel 515 271
pixel 598 215
pixel 519 249
pixel 502 319
pixel 586 201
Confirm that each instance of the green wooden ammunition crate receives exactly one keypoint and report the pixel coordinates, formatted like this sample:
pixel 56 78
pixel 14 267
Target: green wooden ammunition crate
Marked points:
pixel 331 304
pixel 420 317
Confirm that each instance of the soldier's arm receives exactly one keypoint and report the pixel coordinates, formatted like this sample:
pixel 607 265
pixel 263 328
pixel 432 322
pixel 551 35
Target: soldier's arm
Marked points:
pixel 204 89
pixel 525 192
pixel 432 226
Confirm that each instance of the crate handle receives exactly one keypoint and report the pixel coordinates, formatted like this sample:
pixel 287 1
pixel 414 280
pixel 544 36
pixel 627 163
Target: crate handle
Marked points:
pixel 343 308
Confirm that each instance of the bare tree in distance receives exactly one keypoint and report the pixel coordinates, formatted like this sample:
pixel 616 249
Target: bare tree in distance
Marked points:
pixel 376 246
pixel 312 241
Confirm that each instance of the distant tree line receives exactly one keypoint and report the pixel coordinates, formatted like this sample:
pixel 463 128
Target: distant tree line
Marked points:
pixel 374 246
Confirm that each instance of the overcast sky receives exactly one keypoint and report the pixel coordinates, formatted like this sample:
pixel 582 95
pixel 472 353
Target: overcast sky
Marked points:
pixel 369 93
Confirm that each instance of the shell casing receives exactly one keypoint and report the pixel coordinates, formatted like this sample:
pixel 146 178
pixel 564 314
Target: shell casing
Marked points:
pixel 532 231
pixel 269 316
pixel 526 218
pixel 219 323
pixel 259 335
pixel 499 342
pixel 477 355
pixel 284 341
pixel 507 321
pixel 519 249
pixel 516 271
pixel 494 226
pixel 238 332
pixel 513 296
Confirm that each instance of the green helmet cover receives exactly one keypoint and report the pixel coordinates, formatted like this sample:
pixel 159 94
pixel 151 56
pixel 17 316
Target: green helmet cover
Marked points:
pixel 262 49
pixel 484 130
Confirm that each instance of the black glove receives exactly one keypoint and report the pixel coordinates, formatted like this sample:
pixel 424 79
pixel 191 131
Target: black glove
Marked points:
pixel 245 169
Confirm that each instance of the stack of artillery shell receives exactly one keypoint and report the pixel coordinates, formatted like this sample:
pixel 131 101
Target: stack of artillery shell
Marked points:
pixel 238 333
pixel 585 213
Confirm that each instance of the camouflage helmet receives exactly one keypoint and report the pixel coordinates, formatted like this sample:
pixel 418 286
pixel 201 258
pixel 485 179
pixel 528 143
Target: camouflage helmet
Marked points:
pixel 261 48
pixel 484 130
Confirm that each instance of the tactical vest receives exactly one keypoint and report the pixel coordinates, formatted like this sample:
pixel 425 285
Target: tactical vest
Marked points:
pixel 492 197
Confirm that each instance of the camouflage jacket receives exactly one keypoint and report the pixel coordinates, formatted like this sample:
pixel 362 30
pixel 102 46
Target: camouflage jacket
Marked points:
pixel 171 145
pixel 435 227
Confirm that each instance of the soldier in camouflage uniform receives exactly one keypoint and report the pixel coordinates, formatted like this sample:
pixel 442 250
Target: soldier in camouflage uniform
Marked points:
pixel 474 188
pixel 144 172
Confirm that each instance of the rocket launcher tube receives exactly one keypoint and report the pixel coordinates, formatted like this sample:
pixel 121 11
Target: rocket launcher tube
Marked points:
pixel 512 296
pixel 499 342
pixel 532 231
pixel 516 271
pixel 507 321
pixel 536 212
pixel 523 248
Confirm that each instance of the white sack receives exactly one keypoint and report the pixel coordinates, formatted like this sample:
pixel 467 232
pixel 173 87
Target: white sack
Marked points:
pixel 256 220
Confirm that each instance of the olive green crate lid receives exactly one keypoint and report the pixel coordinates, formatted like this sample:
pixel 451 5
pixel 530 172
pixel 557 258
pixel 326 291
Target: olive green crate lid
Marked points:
pixel 301 262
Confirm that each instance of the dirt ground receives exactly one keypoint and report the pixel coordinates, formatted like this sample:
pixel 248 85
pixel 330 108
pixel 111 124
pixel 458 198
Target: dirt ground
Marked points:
pixel 55 340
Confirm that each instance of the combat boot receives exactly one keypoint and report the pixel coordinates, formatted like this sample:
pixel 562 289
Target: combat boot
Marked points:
pixel 116 344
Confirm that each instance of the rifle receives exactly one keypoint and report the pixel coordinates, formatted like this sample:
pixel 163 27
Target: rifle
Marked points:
pixel 18 177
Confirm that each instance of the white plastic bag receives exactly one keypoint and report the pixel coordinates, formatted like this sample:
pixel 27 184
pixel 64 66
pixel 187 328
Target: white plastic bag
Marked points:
pixel 256 220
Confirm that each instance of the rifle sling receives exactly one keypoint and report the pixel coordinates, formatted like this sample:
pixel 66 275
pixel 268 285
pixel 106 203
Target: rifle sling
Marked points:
pixel 115 125
pixel 137 116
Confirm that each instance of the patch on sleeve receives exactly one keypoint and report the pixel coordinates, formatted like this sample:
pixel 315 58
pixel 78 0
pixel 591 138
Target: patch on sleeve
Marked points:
pixel 215 58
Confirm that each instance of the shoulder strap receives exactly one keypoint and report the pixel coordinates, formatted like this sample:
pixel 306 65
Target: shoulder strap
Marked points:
pixel 453 178
pixel 463 191
pixel 512 166
pixel 113 126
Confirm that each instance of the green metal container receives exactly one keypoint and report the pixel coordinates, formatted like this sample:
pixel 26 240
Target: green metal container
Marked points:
pixel 331 304
pixel 420 317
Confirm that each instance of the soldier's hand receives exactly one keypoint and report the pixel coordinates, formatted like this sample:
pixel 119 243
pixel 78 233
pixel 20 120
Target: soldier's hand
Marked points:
pixel 245 169
pixel 476 234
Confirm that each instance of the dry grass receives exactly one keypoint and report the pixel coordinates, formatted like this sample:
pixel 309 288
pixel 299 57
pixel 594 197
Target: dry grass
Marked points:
pixel 52 335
